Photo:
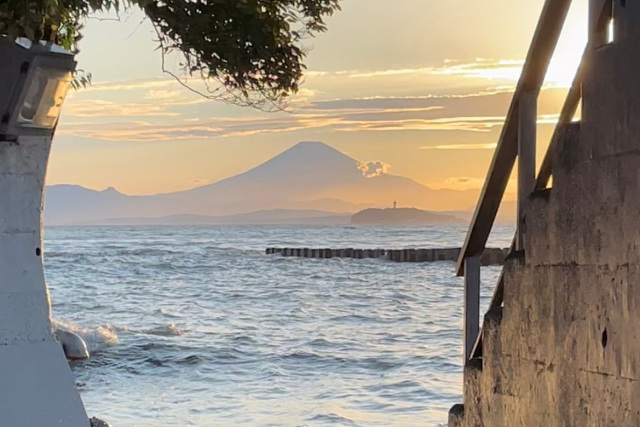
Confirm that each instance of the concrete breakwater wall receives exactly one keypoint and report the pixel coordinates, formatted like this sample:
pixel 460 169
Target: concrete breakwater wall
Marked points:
pixel 491 256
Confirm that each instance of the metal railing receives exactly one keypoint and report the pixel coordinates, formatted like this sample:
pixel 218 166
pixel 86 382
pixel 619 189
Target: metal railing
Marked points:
pixel 518 140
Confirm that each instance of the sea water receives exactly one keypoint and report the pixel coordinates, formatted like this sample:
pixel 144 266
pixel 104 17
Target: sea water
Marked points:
pixel 196 326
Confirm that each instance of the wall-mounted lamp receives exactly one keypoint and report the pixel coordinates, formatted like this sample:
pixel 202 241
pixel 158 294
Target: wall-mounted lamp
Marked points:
pixel 35 79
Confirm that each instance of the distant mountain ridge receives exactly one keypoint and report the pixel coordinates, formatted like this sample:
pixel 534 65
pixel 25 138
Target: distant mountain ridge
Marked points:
pixel 308 176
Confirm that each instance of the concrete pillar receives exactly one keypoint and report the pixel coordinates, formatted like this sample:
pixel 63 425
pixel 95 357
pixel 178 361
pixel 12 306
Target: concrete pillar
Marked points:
pixel 527 127
pixel 24 299
pixel 471 304
pixel 36 383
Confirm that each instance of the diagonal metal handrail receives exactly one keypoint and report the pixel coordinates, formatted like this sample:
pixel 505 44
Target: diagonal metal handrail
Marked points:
pixel 602 13
pixel 567 114
pixel 543 45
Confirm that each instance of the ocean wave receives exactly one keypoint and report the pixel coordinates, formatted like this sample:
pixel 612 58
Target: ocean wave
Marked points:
pixel 96 338
pixel 275 341
pixel 169 330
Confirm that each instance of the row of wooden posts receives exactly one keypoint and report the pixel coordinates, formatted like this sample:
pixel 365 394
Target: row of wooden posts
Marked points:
pixel 491 256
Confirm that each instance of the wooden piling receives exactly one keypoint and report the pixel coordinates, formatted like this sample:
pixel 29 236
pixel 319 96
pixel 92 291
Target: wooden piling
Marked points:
pixel 491 256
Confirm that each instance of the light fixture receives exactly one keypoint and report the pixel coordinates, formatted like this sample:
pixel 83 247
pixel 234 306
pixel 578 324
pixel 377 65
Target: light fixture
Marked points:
pixel 43 98
pixel 35 81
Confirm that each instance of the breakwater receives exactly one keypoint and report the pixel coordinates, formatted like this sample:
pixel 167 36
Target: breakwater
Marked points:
pixel 490 256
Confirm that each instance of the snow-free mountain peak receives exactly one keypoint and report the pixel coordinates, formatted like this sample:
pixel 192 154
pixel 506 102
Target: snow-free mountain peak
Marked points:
pixel 307 176
pixel 306 159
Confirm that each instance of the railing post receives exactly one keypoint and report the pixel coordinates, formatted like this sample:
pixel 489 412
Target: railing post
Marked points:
pixel 598 23
pixel 471 304
pixel 626 17
pixel 527 122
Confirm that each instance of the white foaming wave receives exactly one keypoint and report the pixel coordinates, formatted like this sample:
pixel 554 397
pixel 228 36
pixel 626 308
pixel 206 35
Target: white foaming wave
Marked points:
pixel 96 338
pixel 169 330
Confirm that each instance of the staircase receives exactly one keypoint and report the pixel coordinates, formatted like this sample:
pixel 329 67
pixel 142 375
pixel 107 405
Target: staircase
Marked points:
pixel 560 344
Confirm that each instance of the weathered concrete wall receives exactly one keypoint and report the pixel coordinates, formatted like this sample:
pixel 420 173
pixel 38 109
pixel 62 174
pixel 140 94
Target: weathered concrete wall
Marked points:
pixel 565 348
pixel 36 384
pixel 23 296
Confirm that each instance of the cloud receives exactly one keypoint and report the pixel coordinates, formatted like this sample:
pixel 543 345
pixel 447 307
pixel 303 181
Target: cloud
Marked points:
pixel 159 114
pixel 481 68
pixel 229 127
pixel 202 181
pixel 128 85
pixel 463 182
pixel 103 108
pixel 373 168
pixel 548 119
pixel 468 183
pixel 506 70
pixel 469 124
pixel 164 94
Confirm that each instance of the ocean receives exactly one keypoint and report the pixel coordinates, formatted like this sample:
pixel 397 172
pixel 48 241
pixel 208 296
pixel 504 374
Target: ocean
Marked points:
pixel 196 326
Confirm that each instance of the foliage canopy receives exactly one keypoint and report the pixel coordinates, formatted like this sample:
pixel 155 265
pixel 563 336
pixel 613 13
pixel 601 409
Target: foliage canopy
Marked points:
pixel 251 48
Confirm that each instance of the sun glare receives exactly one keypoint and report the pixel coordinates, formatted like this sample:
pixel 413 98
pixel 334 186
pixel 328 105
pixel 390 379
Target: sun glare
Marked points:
pixel 568 54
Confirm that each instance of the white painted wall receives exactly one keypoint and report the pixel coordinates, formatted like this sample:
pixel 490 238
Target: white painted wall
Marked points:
pixel 36 383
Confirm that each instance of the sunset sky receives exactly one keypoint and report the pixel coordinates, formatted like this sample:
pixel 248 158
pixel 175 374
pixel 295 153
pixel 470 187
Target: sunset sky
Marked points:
pixel 421 85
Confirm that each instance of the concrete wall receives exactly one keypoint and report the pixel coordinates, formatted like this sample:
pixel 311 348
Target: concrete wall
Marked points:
pixel 565 348
pixel 36 384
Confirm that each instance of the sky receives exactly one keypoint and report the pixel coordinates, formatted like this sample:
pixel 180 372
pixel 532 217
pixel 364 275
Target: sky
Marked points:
pixel 419 85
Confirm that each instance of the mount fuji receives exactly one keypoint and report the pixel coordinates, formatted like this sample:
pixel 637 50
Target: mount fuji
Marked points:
pixel 310 176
